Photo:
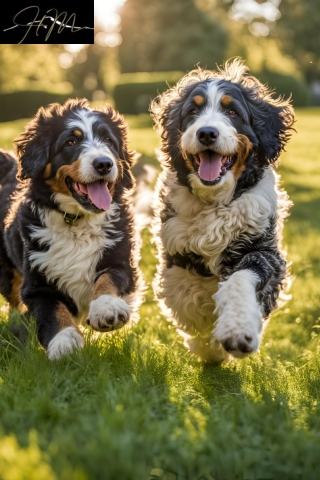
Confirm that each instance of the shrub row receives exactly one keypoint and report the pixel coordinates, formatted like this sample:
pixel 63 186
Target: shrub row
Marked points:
pixel 24 104
pixel 287 85
pixel 133 93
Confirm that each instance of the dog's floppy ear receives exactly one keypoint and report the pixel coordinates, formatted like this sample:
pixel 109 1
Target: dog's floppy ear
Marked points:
pixel 32 148
pixel 272 121
pixel 165 110
pixel 127 156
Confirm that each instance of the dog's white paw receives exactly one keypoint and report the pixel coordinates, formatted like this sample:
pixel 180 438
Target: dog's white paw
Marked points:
pixel 239 323
pixel 64 342
pixel 108 313
pixel 239 343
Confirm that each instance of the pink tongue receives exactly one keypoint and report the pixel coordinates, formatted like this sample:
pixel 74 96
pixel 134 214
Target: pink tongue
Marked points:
pixel 210 165
pixel 99 194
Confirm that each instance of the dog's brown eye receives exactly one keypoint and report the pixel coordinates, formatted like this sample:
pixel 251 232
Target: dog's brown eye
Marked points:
pixel 72 141
pixel 108 141
pixel 232 113
pixel 194 111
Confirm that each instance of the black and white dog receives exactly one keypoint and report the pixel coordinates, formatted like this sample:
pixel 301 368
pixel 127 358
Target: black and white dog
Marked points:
pixel 66 226
pixel 220 218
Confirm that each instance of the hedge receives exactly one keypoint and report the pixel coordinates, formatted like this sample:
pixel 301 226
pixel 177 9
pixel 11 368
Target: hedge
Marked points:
pixel 287 85
pixel 25 103
pixel 133 93
pixel 135 90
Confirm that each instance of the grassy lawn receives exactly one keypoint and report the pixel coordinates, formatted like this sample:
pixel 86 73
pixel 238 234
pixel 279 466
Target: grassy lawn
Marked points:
pixel 136 400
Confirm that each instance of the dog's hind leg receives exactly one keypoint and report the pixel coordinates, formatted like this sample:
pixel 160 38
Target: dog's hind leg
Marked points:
pixel 68 337
pixel 13 295
pixel 53 312
pixel 10 278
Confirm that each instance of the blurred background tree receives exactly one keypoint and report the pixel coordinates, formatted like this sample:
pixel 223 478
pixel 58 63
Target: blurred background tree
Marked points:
pixel 298 30
pixel 292 26
pixel 169 35
pixel 30 66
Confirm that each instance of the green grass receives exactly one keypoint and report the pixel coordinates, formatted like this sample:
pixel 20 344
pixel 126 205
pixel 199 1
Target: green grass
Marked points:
pixel 136 399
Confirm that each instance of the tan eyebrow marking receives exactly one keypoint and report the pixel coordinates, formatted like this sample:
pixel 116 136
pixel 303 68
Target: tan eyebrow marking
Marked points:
pixel 198 100
pixel 226 100
pixel 77 133
pixel 47 170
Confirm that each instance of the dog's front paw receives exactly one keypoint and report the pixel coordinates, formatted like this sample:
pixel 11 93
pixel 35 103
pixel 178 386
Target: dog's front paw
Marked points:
pixel 238 342
pixel 108 313
pixel 64 342
pixel 239 323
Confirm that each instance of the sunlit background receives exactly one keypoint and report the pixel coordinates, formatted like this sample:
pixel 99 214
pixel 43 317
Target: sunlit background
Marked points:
pixel 141 46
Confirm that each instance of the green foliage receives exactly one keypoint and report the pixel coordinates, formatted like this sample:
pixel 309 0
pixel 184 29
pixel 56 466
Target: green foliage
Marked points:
pixel 136 400
pixel 23 66
pixel 28 463
pixel 135 90
pixel 165 35
pixel 287 85
pixel 298 30
pixel 25 103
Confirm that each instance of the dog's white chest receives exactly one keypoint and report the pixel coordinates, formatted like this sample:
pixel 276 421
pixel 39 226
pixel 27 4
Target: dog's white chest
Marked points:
pixel 73 254
pixel 208 230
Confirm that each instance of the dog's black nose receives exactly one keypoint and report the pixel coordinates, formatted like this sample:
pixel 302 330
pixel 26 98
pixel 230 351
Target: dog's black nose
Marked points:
pixel 102 165
pixel 207 135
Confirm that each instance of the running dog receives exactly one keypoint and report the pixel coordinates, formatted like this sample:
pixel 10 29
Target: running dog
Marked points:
pixel 67 248
pixel 221 210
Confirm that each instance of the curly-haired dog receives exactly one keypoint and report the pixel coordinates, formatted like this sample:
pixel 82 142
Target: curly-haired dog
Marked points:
pixel 66 226
pixel 221 211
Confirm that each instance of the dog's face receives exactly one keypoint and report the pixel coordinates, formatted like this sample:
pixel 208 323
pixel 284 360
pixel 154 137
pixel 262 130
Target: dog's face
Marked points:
pixel 75 156
pixel 216 135
pixel 219 132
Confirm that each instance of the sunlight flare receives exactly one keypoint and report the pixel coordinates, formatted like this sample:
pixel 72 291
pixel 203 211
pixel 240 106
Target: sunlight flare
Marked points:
pixel 105 13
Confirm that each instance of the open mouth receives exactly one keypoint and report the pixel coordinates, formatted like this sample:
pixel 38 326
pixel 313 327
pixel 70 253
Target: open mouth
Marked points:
pixel 213 166
pixel 93 196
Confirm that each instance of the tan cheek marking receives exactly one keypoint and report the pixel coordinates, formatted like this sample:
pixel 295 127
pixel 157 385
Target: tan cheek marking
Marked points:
pixel 244 148
pixel 226 100
pixel 198 100
pixel 189 164
pixel 104 286
pixel 64 318
pixel 58 183
pixel 14 296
